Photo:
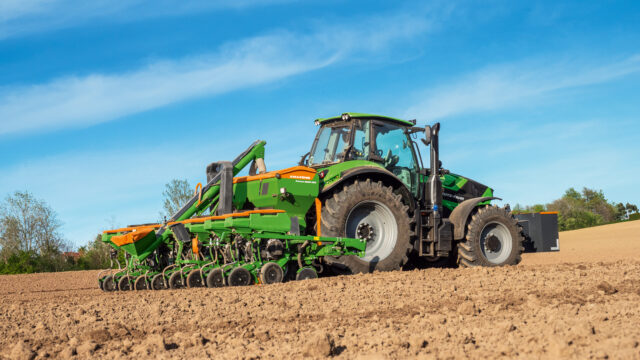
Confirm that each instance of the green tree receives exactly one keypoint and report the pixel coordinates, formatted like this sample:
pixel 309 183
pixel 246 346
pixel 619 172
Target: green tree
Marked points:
pixel 29 225
pixel 176 193
pixel 583 209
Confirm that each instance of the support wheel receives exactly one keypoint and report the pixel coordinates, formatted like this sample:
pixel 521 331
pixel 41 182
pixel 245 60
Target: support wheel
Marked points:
pixel 215 278
pixel 271 273
pixel 157 282
pixel 306 273
pixel 109 284
pixel 125 283
pixel 493 238
pixel 240 277
pixel 195 279
pixel 141 283
pixel 176 281
pixel 372 212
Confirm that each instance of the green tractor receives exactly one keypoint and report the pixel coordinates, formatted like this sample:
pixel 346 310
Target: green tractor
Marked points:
pixel 361 200
pixel 374 186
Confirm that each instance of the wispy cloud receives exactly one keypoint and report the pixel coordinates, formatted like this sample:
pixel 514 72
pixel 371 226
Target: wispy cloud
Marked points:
pixel 20 17
pixel 96 98
pixel 500 86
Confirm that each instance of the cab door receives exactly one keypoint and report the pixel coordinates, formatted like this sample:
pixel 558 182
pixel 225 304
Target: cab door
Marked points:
pixel 392 146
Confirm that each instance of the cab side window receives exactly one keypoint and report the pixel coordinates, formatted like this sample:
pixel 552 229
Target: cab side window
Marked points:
pixel 394 148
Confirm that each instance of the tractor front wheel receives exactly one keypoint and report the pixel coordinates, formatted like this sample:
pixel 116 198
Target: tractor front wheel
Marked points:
pixel 493 238
pixel 373 212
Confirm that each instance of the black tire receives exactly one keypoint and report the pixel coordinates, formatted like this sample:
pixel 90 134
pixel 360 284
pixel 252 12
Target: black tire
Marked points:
pixel 347 213
pixel 240 277
pixel 306 273
pixel 176 281
pixel 271 273
pixel 195 279
pixel 100 282
pixel 493 238
pixel 215 278
pixel 109 284
pixel 157 282
pixel 124 284
pixel 141 283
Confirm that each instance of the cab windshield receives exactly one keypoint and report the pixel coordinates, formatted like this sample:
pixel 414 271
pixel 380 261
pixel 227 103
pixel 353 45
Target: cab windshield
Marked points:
pixel 330 145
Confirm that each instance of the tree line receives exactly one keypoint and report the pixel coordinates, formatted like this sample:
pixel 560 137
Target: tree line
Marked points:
pixel 30 238
pixel 577 210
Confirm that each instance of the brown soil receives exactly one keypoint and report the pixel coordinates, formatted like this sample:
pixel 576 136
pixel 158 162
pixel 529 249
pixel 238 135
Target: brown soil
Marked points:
pixel 580 303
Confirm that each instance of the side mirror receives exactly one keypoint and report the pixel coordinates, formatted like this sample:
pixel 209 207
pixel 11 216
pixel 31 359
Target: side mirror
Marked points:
pixel 427 135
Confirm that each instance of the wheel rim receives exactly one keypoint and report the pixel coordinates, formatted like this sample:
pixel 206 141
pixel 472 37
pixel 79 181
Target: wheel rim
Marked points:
pixel 374 222
pixel 496 242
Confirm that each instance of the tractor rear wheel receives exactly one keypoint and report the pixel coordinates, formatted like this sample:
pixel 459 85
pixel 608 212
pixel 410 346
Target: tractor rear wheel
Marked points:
pixel 493 238
pixel 370 211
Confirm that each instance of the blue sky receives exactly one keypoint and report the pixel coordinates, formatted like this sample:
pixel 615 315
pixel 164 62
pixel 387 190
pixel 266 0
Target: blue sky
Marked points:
pixel 102 104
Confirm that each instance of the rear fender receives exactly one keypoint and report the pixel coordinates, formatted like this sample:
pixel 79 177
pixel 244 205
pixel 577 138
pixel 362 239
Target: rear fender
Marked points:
pixel 461 213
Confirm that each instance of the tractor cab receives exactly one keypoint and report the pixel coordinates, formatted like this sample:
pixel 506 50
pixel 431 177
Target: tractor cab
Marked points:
pixel 383 140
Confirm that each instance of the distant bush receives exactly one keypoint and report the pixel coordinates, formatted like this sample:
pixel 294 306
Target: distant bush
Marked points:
pixel 635 216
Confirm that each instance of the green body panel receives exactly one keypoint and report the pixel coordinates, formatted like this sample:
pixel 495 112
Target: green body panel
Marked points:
pixel 334 172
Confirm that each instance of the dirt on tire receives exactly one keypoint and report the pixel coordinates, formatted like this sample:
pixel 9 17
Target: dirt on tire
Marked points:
pixel 579 303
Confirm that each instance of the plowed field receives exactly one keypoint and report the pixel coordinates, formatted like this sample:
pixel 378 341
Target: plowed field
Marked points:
pixel 583 302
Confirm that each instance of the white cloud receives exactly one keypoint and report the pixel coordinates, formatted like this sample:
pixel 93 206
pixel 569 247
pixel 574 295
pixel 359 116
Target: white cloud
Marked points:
pixel 19 17
pixel 501 86
pixel 87 100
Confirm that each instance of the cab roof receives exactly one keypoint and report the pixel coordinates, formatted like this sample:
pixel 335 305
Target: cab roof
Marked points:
pixel 366 116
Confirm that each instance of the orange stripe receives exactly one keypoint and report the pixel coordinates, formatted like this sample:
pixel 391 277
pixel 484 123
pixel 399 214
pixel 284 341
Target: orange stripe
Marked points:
pixel 318 217
pixel 549 212
pixel 221 217
pixel 296 172
pixel 194 246
pixel 154 226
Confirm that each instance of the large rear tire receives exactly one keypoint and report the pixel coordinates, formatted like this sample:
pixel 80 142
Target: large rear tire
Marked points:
pixel 368 210
pixel 493 238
